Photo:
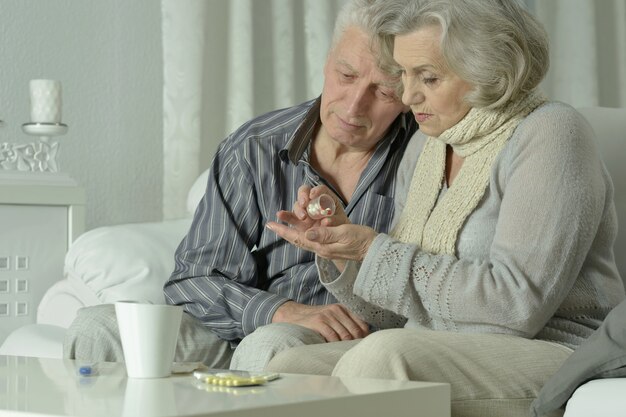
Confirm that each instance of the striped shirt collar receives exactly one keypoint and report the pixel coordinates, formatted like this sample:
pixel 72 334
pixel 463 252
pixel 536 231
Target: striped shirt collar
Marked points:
pixel 298 145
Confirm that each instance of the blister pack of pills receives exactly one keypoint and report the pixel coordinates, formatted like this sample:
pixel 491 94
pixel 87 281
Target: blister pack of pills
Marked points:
pixel 228 378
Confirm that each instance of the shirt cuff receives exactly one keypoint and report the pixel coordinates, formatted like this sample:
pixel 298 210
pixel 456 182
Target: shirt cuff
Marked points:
pixel 260 310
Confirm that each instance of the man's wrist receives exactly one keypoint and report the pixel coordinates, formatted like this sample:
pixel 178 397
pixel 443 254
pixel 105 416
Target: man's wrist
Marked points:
pixel 282 312
pixel 259 310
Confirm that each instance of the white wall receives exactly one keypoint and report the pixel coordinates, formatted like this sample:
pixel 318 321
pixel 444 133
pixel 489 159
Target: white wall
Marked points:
pixel 108 57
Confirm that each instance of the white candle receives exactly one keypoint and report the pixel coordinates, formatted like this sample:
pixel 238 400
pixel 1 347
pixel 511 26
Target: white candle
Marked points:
pixel 45 101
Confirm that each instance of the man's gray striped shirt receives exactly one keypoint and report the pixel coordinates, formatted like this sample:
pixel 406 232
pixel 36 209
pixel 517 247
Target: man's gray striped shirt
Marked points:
pixel 233 273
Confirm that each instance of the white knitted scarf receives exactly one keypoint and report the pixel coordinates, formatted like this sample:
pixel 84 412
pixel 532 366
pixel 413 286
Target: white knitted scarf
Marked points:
pixel 434 223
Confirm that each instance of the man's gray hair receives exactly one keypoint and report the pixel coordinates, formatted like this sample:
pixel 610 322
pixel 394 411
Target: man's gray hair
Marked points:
pixel 363 14
pixel 368 16
pixel 495 45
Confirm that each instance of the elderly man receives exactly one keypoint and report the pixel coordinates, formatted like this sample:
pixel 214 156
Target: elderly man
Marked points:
pixel 232 275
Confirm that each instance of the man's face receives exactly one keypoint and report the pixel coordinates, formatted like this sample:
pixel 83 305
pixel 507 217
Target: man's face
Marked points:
pixel 358 99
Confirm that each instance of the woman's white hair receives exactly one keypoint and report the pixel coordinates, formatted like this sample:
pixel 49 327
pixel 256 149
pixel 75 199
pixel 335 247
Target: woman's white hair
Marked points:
pixel 494 45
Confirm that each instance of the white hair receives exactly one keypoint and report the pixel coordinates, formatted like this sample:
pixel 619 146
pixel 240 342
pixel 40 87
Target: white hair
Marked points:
pixel 494 45
pixel 368 16
pixel 363 14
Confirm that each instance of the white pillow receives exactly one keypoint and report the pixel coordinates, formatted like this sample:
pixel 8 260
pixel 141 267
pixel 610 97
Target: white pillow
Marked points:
pixel 59 304
pixel 124 262
pixel 197 192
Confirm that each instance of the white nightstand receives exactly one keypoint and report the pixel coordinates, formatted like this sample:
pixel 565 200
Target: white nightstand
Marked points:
pixel 40 216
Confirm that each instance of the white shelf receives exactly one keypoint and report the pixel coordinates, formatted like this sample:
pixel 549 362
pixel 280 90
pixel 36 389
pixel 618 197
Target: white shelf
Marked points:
pixel 19 178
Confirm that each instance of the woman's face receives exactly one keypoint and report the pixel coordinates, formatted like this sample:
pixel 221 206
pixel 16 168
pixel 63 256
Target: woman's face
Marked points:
pixel 434 93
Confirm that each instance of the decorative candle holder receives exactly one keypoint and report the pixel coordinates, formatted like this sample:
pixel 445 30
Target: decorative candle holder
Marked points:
pixel 45 101
pixel 38 156
pixel 42 155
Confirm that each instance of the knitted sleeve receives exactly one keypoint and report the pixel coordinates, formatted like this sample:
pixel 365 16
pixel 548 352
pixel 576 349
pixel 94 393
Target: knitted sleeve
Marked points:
pixel 343 291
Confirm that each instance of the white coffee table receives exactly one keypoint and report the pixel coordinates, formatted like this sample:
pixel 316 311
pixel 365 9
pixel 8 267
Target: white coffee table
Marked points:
pixel 52 387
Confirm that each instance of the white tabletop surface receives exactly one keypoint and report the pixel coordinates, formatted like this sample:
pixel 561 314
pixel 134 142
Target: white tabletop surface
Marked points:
pixel 53 387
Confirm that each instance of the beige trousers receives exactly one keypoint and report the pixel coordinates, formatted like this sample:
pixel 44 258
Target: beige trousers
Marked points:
pixel 255 350
pixel 491 375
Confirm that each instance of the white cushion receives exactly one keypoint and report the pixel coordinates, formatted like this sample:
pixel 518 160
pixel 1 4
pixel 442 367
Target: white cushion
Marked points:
pixel 129 261
pixel 197 192
pixel 600 397
pixel 59 305
pixel 37 340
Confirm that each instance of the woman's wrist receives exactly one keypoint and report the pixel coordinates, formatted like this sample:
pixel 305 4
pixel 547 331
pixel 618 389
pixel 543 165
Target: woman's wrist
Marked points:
pixel 340 264
pixel 367 242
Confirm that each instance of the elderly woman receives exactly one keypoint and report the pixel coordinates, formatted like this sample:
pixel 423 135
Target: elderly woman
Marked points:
pixel 501 262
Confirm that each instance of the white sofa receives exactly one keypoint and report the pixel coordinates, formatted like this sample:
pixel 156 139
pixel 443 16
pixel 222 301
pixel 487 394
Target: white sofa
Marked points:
pixel 132 261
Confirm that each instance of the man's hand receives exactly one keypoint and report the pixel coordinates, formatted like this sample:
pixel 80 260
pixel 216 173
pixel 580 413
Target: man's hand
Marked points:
pixel 333 321
pixel 344 242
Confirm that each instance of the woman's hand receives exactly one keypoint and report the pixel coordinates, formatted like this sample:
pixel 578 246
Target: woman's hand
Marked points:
pixel 331 237
pixel 344 242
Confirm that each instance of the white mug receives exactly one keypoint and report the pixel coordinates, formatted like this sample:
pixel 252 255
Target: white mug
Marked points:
pixel 149 333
